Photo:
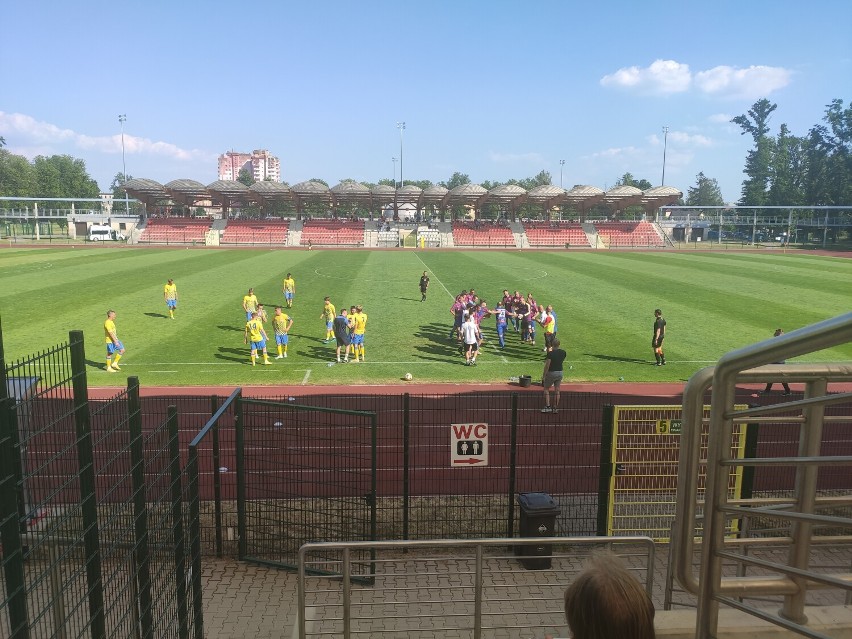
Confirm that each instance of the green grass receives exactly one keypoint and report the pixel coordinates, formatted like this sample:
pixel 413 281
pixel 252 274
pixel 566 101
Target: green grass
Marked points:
pixel 713 302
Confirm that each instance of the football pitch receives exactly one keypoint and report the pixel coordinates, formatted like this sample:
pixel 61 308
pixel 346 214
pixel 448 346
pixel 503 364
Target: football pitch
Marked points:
pixel 713 302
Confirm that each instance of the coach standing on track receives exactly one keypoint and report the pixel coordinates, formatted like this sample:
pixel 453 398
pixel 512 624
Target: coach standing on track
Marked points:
pixel 552 376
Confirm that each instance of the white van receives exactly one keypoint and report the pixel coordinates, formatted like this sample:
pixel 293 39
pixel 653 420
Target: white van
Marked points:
pixel 103 233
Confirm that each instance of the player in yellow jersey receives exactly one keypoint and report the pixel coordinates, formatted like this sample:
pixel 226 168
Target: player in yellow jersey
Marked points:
pixel 328 313
pixel 255 333
pixel 289 290
pixel 359 322
pixel 114 347
pixel 281 325
pixel 170 294
pixel 249 303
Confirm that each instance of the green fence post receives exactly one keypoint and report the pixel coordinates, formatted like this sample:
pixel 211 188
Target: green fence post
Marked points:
pixel 142 574
pixel 86 476
pixel 217 479
pixel 242 542
pixel 406 463
pixel 513 465
pixel 10 532
pixel 605 471
pixel 177 522
pixel 195 542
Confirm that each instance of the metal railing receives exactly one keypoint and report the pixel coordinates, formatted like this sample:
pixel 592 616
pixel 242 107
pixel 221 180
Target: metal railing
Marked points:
pixel 450 587
pixel 801 510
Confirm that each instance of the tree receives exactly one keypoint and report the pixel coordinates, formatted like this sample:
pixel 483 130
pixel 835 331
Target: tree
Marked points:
pixel 17 177
pixel 759 159
pixel 63 176
pixel 456 179
pixel 245 177
pixel 786 172
pixel 628 180
pixel 706 192
pixel 117 185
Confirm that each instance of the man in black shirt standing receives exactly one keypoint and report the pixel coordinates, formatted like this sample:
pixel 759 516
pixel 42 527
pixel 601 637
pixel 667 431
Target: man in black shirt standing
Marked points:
pixel 552 376
pixel 424 284
pixel 659 335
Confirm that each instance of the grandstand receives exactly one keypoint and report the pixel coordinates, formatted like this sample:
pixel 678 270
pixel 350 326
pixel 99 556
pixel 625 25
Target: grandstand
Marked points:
pixel 629 234
pixel 256 232
pixel 332 233
pixel 482 234
pixel 547 234
pixel 175 230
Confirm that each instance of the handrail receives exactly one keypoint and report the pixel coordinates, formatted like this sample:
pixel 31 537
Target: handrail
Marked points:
pixel 753 364
pixel 347 553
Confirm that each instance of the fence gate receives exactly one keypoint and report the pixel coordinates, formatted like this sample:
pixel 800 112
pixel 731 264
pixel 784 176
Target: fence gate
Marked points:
pixel 644 458
pixel 304 474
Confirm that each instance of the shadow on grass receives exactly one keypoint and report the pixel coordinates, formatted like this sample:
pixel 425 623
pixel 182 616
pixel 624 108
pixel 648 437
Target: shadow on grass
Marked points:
pixel 612 358
pixel 158 315
pixel 223 327
pixel 233 354
pixel 93 364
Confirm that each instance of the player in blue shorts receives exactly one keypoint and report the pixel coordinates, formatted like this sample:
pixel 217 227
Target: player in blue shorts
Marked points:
pixel 281 324
pixel 255 333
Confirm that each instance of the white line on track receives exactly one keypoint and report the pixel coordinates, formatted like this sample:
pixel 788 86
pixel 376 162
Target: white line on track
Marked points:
pixel 144 365
pixel 306 377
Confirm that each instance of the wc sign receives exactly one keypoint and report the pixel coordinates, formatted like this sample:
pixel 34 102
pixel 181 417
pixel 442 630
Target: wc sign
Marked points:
pixel 468 445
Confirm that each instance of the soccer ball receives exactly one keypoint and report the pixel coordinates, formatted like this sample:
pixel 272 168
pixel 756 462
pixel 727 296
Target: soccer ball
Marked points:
pixel 408 377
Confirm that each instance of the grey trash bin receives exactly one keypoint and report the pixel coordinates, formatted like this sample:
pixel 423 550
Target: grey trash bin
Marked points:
pixel 538 519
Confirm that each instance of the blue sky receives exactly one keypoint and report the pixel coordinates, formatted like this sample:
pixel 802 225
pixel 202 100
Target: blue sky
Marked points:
pixel 493 89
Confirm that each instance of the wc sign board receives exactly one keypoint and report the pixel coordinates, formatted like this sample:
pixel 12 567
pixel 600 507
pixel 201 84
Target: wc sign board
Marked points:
pixel 468 445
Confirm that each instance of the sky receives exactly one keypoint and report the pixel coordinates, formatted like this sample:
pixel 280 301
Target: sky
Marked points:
pixel 495 89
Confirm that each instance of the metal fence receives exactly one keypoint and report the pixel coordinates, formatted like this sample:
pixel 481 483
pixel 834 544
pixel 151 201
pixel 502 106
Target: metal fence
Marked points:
pixel 90 508
pixel 451 588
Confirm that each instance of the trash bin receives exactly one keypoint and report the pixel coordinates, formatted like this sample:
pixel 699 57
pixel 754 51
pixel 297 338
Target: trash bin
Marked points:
pixel 538 519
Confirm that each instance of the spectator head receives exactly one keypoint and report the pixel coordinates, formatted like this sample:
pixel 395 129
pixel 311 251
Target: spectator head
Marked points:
pixel 606 601
pixel 778 332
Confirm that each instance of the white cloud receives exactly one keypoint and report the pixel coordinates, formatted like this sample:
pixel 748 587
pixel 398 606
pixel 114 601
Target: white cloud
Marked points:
pixel 663 76
pixel 617 152
pixel 679 137
pixel 25 132
pixel 669 76
pixel 720 118
pixel 515 158
pixel 748 83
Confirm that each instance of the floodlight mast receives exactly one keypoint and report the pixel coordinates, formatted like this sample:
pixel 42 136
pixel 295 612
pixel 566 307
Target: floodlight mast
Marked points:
pixel 122 119
pixel 401 127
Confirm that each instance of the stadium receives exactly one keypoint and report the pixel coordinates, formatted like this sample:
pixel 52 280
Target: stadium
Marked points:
pixel 364 495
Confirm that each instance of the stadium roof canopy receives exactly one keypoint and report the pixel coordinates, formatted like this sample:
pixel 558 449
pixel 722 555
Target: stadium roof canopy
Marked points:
pixel 351 193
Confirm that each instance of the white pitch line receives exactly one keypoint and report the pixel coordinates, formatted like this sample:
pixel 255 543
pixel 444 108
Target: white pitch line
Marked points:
pixel 452 297
pixel 306 377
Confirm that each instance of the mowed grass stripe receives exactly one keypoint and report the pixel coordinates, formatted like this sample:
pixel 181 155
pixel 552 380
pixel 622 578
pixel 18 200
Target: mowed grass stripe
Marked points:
pixel 605 301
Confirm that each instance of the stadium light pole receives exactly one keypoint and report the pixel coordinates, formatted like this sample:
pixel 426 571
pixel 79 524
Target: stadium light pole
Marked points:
pixel 561 166
pixel 665 145
pixel 122 119
pixel 394 171
pixel 401 127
